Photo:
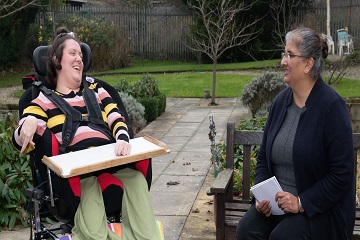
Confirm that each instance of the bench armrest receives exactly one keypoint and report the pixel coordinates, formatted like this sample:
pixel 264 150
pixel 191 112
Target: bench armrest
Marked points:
pixel 221 182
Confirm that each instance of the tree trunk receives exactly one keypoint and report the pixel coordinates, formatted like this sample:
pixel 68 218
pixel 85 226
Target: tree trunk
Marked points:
pixel 214 82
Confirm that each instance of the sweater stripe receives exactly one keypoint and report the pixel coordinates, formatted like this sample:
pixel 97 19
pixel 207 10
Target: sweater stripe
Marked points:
pixel 46 112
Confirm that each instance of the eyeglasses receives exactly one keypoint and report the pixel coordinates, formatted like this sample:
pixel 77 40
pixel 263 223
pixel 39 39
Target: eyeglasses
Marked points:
pixel 71 34
pixel 289 56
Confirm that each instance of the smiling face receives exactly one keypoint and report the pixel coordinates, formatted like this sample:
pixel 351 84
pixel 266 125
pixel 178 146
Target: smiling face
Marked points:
pixel 72 66
pixel 295 68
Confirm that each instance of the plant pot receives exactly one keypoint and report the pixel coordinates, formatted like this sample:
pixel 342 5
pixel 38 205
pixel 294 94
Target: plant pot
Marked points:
pixel 207 94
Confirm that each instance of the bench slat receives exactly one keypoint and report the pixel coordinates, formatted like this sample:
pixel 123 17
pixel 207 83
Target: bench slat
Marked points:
pixel 231 221
pixel 248 137
pixel 237 205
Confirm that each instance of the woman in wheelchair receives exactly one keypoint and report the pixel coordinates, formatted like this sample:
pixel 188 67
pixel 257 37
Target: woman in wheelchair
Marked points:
pixel 65 75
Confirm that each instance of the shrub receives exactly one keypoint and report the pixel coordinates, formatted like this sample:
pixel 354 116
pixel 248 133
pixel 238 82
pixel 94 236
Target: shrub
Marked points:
pixel 337 68
pixel 154 106
pixel 13 33
pixel 353 59
pixel 124 86
pixel 146 91
pixel 245 124
pixel 259 93
pixel 109 49
pixel 135 110
pixel 146 87
pixel 15 176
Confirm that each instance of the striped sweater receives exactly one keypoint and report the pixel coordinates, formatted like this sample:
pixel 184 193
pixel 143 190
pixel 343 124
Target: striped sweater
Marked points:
pixel 51 117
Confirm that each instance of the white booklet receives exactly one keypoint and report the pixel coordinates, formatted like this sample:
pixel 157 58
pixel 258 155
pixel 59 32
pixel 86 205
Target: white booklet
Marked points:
pixel 266 190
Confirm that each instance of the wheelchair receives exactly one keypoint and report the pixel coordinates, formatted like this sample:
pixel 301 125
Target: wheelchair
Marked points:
pixel 55 197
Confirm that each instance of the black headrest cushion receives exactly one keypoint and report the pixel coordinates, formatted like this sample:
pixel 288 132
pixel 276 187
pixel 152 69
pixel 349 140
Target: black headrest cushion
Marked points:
pixel 40 55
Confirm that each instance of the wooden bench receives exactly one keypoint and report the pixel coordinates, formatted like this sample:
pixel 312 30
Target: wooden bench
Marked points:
pixel 228 209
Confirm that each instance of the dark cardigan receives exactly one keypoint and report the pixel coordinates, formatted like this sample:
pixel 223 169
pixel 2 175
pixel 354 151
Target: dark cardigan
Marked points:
pixel 323 160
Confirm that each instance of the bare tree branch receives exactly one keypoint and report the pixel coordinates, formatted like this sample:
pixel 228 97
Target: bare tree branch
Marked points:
pixel 8 8
pixel 282 12
pixel 222 29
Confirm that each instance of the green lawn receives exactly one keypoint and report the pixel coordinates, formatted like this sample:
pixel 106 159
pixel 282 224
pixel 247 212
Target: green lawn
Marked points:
pixel 190 84
pixel 156 66
pixel 184 79
pixel 348 88
pixel 227 85
pixel 11 79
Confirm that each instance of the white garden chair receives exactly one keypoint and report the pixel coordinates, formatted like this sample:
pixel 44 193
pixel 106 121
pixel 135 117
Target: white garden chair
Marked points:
pixel 345 42
pixel 330 43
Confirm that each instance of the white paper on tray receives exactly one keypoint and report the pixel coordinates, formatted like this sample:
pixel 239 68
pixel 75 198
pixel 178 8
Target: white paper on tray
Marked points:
pixel 64 164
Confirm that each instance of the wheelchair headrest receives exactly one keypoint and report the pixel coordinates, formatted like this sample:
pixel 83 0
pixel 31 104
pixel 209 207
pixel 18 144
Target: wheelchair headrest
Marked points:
pixel 40 55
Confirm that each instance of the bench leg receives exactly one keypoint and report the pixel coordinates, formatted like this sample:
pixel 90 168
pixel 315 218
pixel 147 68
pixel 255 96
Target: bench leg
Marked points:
pixel 219 213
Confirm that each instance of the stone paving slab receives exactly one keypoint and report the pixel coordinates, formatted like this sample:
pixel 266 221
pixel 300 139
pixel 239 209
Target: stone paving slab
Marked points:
pixel 167 158
pixel 159 164
pixel 175 143
pixel 155 134
pixel 189 164
pixel 188 169
pixel 190 184
pixel 172 226
pixel 198 111
pixel 192 119
pixel 219 118
pixel 168 114
pixel 157 169
pixel 200 144
pixel 172 203
pixel 183 129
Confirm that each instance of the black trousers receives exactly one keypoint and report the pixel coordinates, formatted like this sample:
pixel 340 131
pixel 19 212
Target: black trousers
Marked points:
pixel 254 225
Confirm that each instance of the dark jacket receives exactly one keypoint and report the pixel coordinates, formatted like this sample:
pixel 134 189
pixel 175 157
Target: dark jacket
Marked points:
pixel 323 160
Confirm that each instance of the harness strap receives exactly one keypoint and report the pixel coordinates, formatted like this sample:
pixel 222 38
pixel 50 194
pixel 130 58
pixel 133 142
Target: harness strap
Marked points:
pixel 73 117
pixel 72 120
pixel 94 111
pixel 92 106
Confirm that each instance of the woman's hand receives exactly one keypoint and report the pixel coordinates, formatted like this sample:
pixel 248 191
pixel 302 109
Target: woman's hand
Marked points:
pixel 287 202
pixel 263 207
pixel 27 132
pixel 122 148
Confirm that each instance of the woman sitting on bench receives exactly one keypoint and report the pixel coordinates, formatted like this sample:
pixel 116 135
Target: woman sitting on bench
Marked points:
pixel 308 146
pixel 65 74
